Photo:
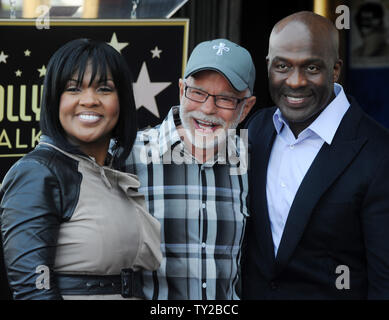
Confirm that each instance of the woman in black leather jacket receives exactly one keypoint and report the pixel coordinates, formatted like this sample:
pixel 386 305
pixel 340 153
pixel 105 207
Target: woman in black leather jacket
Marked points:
pixel 73 226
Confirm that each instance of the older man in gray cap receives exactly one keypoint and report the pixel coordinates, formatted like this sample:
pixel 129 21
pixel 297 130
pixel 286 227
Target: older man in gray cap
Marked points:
pixel 186 176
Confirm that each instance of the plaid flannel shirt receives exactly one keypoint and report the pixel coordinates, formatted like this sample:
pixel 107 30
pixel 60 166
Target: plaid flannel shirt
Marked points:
pixel 202 209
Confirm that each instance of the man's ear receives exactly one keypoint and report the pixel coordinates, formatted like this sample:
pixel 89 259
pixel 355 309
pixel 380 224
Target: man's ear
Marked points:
pixel 337 69
pixel 181 85
pixel 267 62
pixel 250 102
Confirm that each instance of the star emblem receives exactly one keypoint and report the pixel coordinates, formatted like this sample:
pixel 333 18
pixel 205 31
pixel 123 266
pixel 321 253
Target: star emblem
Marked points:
pixel 3 57
pixel 27 53
pixel 18 73
pixel 156 52
pixel 42 71
pixel 145 91
pixel 117 45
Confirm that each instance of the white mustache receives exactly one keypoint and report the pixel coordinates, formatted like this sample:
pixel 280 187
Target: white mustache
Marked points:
pixel 201 116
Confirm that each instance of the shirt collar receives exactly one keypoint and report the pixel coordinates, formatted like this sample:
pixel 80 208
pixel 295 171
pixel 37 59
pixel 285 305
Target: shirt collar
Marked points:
pixel 327 123
pixel 168 136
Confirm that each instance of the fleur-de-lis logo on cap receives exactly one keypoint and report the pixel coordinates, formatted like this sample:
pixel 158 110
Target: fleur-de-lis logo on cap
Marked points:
pixel 220 48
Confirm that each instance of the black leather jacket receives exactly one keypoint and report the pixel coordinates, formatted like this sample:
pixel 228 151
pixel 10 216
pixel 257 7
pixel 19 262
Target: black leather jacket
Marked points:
pixel 38 193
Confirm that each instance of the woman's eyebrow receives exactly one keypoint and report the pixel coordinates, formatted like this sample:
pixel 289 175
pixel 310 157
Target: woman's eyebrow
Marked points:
pixel 106 80
pixel 100 81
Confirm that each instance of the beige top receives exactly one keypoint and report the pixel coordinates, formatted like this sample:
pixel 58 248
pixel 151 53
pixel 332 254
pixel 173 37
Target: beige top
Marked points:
pixel 110 228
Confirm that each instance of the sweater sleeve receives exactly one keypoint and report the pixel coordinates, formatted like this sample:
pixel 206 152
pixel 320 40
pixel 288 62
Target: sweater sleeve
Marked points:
pixel 30 213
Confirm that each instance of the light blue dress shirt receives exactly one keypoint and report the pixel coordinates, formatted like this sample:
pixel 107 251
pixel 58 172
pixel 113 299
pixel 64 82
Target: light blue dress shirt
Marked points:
pixel 291 158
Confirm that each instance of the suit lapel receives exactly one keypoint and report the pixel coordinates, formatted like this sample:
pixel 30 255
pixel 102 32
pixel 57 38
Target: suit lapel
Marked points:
pixel 261 153
pixel 330 162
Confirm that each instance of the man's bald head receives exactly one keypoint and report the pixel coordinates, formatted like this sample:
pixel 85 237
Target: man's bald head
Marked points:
pixel 320 28
pixel 303 65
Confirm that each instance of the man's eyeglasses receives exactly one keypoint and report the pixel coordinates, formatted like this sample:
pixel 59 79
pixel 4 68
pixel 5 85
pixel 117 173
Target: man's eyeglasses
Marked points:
pixel 223 102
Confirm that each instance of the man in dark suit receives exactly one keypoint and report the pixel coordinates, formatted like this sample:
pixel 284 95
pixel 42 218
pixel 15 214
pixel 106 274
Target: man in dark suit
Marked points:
pixel 319 178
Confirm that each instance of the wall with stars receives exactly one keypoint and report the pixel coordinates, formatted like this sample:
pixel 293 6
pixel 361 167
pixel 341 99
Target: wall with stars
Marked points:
pixel 156 52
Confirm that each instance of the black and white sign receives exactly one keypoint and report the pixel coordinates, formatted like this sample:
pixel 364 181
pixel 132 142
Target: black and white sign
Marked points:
pixel 156 52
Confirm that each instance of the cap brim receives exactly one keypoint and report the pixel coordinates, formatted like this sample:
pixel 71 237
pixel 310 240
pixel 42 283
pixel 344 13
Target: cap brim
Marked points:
pixel 236 82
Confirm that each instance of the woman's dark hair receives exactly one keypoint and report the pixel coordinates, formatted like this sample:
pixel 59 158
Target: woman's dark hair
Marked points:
pixel 70 61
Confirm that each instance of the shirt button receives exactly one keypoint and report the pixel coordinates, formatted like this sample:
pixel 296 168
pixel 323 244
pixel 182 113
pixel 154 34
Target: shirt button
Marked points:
pixel 283 184
pixel 203 245
pixel 291 146
pixel 203 205
pixel 204 285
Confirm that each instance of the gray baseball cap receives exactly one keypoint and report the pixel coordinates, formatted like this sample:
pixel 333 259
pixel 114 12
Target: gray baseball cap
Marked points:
pixel 231 60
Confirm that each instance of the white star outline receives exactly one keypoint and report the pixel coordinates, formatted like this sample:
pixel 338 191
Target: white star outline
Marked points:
pixel 156 52
pixel 118 46
pixel 42 71
pixel 3 57
pixel 145 91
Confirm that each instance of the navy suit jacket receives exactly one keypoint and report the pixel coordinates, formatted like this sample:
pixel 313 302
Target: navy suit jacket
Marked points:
pixel 337 232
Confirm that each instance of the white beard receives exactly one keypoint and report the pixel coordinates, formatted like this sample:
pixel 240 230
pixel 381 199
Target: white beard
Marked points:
pixel 202 140
pixel 206 140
